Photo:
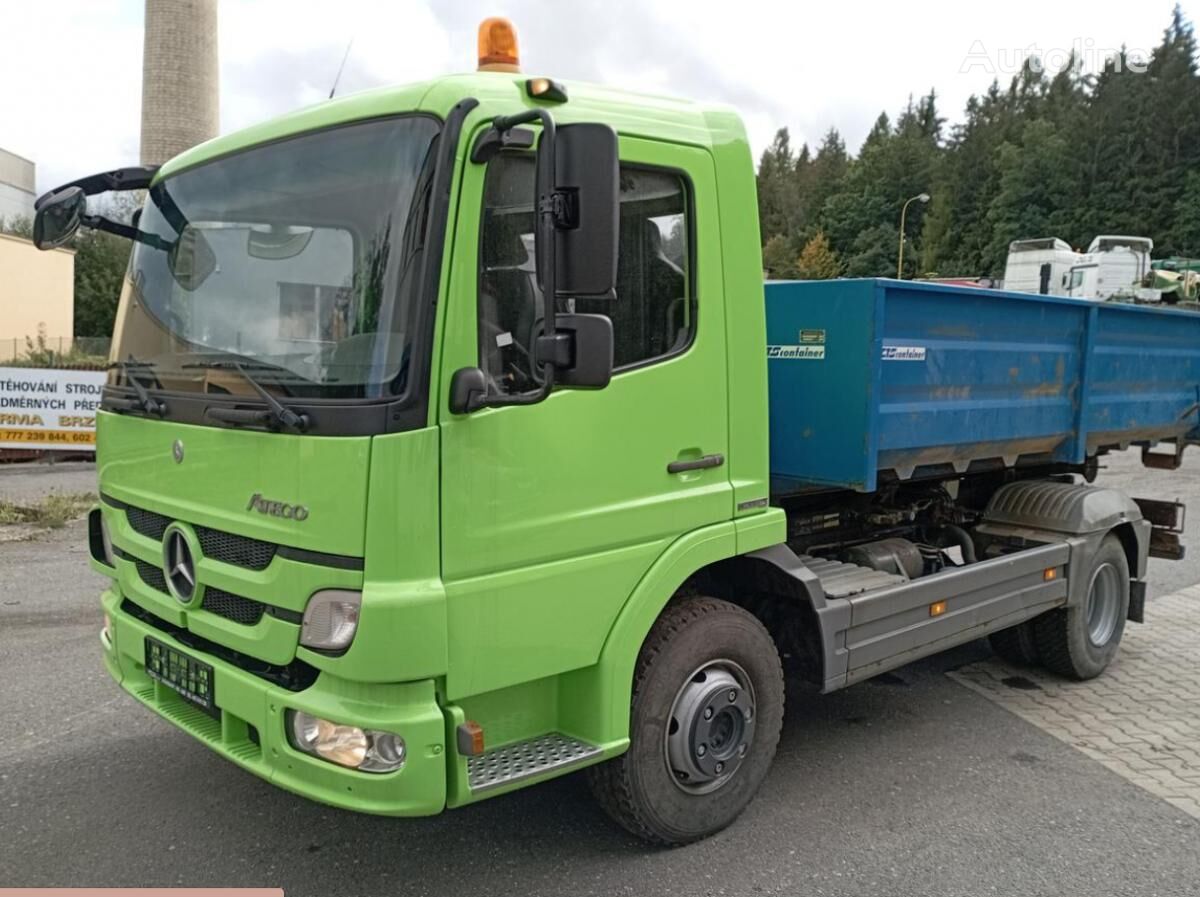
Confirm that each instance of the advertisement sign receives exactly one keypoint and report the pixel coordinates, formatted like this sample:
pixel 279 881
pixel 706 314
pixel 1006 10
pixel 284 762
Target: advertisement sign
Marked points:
pixel 43 408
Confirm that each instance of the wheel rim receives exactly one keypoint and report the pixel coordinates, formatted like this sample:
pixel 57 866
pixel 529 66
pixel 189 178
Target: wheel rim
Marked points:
pixel 711 727
pixel 1103 604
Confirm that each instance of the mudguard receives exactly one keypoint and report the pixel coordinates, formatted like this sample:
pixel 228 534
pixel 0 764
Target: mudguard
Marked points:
pixel 1081 515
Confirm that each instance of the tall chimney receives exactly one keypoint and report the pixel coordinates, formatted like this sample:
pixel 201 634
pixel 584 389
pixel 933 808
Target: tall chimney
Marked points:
pixel 180 102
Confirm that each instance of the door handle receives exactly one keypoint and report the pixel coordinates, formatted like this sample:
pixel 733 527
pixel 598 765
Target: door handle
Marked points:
pixel 697 464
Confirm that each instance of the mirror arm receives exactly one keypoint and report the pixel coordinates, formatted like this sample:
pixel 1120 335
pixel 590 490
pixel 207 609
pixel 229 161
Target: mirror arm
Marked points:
pixel 99 222
pixel 548 221
pixel 548 215
pixel 135 178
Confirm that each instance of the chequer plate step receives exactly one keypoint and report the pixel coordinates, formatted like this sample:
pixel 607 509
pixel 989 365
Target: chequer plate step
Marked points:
pixel 526 759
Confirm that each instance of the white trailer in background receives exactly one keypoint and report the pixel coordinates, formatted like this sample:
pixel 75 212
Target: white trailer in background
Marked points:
pixel 1041 265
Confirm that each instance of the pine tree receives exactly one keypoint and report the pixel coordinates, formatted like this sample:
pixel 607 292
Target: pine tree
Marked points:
pixel 1063 154
pixel 817 261
pixel 776 186
pixel 779 258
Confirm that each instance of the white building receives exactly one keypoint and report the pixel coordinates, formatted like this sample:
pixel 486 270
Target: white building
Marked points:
pixel 16 186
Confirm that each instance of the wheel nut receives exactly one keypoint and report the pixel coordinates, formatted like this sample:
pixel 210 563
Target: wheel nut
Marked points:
pixel 720 768
pixel 748 714
pixel 708 713
pixel 701 750
pixel 742 751
pixel 732 695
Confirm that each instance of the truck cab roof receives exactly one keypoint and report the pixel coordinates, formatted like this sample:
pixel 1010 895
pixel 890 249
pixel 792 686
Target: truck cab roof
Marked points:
pixel 1107 242
pixel 631 113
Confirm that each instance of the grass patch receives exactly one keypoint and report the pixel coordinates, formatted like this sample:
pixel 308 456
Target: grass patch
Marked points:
pixel 53 511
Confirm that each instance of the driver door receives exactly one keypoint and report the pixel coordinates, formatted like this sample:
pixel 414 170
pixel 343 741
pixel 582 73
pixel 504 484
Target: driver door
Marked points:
pixel 552 513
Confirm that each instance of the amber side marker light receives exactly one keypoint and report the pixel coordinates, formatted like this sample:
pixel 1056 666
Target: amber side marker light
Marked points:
pixel 1051 573
pixel 498 46
pixel 470 739
pixel 546 89
pixel 937 608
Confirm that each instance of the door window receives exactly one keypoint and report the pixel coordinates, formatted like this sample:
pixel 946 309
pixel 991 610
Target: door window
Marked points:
pixel 653 315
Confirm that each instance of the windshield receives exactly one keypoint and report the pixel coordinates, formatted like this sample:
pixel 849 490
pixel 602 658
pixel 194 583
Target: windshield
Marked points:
pixel 297 259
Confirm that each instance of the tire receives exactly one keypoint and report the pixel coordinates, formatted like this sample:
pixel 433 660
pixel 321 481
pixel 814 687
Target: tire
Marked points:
pixel 1080 642
pixel 714 666
pixel 1017 645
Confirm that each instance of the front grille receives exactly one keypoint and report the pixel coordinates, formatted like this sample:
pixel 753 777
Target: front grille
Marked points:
pixel 237 608
pixel 148 523
pixel 239 550
pixel 232 607
pixel 152 576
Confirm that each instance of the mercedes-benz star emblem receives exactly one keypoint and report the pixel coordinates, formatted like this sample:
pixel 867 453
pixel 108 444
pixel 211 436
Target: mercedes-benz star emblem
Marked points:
pixel 177 451
pixel 178 566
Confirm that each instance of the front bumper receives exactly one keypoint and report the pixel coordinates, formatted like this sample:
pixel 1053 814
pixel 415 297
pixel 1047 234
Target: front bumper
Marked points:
pixel 250 728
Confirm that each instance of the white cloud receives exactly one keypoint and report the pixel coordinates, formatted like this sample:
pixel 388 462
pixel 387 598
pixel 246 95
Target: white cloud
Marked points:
pixel 71 94
pixel 71 70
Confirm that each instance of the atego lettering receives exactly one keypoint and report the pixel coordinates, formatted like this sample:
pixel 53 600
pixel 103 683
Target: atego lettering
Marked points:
pixel 276 508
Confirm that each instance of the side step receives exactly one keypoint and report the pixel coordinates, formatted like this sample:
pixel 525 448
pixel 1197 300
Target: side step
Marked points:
pixel 526 759
pixel 841 580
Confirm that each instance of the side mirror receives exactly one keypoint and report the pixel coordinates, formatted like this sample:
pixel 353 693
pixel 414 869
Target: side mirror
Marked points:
pixel 591 364
pixel 468 389
pixel 191 259
pixel 58 217
pixel 586 190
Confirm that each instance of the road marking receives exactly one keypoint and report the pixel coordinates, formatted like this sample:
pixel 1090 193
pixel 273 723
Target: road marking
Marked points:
pixel 1141 718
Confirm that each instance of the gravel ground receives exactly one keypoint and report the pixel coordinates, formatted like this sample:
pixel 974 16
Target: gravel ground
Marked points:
pixel 25 483
pixel 908 784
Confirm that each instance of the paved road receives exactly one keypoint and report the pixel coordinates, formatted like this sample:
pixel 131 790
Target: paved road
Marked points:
pixel 910 784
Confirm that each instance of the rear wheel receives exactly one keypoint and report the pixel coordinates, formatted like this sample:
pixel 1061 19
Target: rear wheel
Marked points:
pixel 1017 645
pixel 1080 642
pixel 704 723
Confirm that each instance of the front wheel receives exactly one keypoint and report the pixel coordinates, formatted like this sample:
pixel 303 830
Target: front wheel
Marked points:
pixel 1080 642
pixel 704 723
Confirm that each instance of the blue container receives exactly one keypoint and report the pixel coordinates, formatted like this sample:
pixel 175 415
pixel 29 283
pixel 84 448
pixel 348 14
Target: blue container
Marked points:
pixel 884 375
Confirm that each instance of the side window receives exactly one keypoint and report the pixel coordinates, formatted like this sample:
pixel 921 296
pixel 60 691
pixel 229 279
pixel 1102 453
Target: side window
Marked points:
pixel 654 314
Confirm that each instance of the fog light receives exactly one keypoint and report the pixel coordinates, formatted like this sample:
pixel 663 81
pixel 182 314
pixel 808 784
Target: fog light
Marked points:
pixel 384 753
pixel 366 750
pixel 330 619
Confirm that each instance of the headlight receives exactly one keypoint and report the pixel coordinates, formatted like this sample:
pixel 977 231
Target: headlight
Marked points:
pixel 366 750
pixel 330 620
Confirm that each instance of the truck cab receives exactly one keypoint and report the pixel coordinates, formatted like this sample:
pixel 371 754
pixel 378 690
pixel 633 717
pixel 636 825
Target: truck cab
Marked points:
pixel 363 596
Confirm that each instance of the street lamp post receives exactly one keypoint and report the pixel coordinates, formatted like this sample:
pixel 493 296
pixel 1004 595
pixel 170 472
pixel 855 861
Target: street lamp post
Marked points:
pixel 921 198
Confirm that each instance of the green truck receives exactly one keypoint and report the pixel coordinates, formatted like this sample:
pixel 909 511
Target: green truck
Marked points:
pixel 388 530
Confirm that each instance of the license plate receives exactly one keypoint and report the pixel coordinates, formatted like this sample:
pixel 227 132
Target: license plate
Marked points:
pixel 190 678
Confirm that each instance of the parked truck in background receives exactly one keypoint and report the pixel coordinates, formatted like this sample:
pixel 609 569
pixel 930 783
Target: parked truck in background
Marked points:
pixel 1040 265
pixel 1113 268
pixel 391 529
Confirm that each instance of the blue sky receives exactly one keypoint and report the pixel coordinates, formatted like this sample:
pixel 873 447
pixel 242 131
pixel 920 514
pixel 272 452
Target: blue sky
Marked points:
pixel 71 69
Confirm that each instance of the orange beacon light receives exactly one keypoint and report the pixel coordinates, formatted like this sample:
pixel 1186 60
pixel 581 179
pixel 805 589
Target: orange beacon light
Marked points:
pixel 498 46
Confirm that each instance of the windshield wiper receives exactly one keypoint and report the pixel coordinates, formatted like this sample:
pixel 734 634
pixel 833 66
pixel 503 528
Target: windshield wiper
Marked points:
pixel 276 414
pixel 145 401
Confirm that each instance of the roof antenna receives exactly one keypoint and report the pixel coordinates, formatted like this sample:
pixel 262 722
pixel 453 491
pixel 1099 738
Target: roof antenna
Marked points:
pixel 341 68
